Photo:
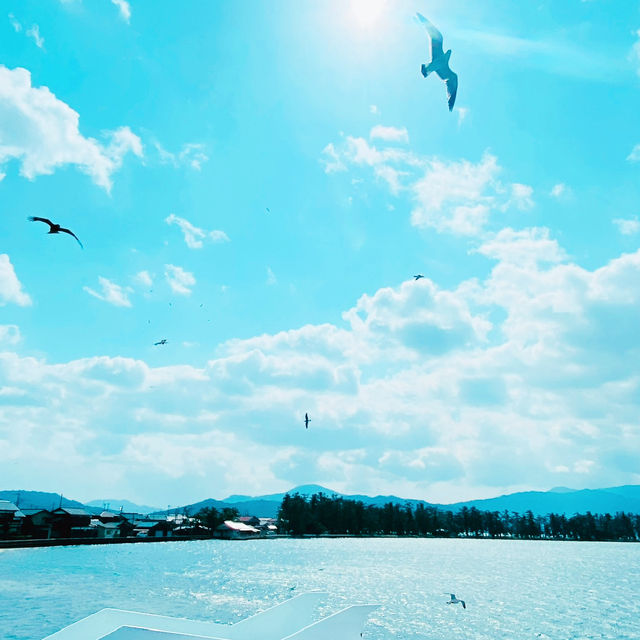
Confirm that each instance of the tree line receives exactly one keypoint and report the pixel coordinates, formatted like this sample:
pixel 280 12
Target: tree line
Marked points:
pixel 323 514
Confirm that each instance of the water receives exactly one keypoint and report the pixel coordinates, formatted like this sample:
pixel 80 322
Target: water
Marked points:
pixel 513 589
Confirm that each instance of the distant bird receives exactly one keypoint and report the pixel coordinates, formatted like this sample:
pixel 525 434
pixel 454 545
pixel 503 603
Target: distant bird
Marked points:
pixel 268 210
pixel 307 420
pixel 418 276
pixel 455 600
pixel 55 228
pixel 440 61
pixel 163 341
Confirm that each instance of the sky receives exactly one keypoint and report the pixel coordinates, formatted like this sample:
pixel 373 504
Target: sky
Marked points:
pixel 257 183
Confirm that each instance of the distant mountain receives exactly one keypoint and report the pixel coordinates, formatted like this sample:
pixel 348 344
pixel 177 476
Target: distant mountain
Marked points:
pixel 38 500
pixel 560 500
pixel 116 504
pixel 567 502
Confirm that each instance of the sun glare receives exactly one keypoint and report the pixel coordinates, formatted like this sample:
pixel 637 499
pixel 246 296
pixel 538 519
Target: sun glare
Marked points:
pixel 367 14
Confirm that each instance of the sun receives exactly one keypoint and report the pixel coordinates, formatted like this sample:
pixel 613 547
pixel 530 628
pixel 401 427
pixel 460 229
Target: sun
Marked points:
pixel 367 14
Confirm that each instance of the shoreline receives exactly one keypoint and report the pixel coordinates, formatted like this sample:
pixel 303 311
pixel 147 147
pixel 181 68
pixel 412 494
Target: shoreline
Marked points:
pixel 69 542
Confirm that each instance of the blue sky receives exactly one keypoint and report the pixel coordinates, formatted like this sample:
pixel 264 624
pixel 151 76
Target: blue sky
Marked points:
pixel 257 183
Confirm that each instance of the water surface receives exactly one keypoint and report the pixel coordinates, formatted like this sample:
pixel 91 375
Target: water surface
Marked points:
pixel 513 589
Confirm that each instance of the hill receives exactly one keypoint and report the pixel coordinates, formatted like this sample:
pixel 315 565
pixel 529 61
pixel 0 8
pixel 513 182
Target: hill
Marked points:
pixel 38 499
pixel 114 504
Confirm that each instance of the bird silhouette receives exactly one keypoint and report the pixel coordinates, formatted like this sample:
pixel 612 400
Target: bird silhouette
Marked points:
pixel 307 420
pixel 418 276
pixel 439 61
pixel 163 341
pixel 455 600
pixel 55 228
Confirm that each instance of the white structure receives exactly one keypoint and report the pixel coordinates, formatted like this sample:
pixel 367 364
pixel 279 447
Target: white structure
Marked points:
pixel 291 620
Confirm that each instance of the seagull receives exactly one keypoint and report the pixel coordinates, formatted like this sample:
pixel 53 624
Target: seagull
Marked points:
pixel 455 600
pixel 418 276
pixel 163 341
pixel 440 61
pixel 307 420
pixel 55 228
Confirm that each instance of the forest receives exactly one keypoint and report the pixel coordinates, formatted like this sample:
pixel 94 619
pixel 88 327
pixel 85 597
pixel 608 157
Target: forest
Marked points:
pixel 323 514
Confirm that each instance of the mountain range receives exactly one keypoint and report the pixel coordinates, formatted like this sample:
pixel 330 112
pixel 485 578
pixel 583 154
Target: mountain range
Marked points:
pixel 560 500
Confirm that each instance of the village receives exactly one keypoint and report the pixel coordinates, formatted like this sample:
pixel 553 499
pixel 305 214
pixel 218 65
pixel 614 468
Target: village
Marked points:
pixel 53 526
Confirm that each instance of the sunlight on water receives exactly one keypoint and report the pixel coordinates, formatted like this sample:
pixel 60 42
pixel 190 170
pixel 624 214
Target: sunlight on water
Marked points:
pixel 513 589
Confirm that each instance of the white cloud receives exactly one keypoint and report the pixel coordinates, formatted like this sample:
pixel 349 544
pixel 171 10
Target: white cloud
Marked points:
pixel 389 134
pixel 514 382
pixel 9 334
pixel 627 226
pixel 374 110
pixel 192 154
pixel 521 196
pixel 194 236
pixel 111 292
pixel 143 278
pixel 124 8
pixel 179 280
pixel 333 163
pixel 456 196
pixel 10 286
pixel 42 134
pixel 17 27
pixel 635 52
pixel 462 112
pixel 271 277
pixel 527 245
pixel 34 33
pixel 634 156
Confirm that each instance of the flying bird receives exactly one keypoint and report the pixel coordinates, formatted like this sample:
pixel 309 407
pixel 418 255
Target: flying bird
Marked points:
pixel 55 228
pixel 307 420
pixel 163 341
pixel 455 600
pixel 418 276
pixel 440 61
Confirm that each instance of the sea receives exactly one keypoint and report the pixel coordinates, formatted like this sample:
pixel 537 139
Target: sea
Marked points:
pixel 513 589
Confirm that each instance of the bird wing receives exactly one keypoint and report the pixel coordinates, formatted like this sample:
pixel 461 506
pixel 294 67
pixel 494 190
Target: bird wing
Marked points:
pixel 464 606
pixel 36 219
pixel 72 234
pixel 434 36
pixel 451 82
pixel 453 596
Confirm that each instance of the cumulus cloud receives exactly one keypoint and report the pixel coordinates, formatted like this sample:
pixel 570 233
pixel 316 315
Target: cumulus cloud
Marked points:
pixel 124 9
pixel 389 134
pixel 42 133
pixel 10 286
pixel 179 280
pixel 194 236
pixel 451 196
pixel 17 27
pixel 111 292
pixel 627 226
pixel 516 381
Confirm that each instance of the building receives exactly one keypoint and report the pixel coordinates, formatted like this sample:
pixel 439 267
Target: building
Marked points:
pixel 38 523
pixel 11 519
pixel 69 522
pixel 232 530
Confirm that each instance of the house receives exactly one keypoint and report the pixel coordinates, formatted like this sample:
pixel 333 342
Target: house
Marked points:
pixel 268 526
pixel 232 530
pixel 69 522
pixel 152 528
pixel 11 519
pixel 252 521
pixel 108 530
pixel 38 523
